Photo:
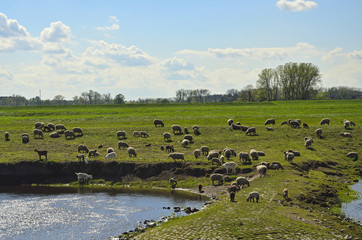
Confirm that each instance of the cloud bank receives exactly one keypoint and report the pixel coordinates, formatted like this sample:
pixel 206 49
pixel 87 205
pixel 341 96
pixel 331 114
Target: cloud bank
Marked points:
pixel 296 5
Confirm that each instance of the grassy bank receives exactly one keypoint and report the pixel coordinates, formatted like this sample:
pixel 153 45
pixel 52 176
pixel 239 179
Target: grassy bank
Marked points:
pixel 317 180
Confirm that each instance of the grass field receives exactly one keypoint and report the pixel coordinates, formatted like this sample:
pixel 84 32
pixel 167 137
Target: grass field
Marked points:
pixel 306 177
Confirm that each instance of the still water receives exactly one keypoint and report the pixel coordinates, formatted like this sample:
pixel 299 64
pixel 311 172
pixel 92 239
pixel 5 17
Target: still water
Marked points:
pixel 48 213
pixel 354 209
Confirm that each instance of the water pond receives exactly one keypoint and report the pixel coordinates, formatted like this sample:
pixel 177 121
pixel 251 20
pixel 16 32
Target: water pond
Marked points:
pixel 64 213
pixel 353 209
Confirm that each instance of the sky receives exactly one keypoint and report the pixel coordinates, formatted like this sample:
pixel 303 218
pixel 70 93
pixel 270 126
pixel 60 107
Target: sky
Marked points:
pixel 151 49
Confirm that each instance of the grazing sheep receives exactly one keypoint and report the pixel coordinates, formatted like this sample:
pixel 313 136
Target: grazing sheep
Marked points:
pixel 197 153
pixel 289 156
pixel 245 157
pixel 285 193
pixel 261 170
pixel 185 143
pixel 318 132
pixel 205 150
pixel 251 130
pixel 121 134
pixel 244 128
pixel 275 166
pixel 305 125
pixel 294 124
pixel 25 138
pixel 254 154
pixel 131 152
pixel 42 153
pixel 78 131
pixel 136 134
pixel 230 166
pixel 148 145
pixel 229 153
pixel 296 153
pixel 217 177
pixel 109 150
pixel 308 142
pixel 92 153
pixel 80 157
pixel 186 130
pixel 232 196
pixel 352 123
pixel 230 121
pixel 54 135
pixel 84 178
pixel 213 153
pixel 162 148
pixel 284 123
pixel 111 155
pixel 189 137
pixel 39 125
pixel 252 196
pixel 82 148
pixel 222 159
pixel 176 129
pixel 158 123
pixel 195 127
pixel 167 136
pixel 7 136
pixel 144 134
pixel 299 121
pixel 60 127
pixel 177 155
pixel 69 134
pixel 122 145
pixel 261 153
pixel 269 129
pixel 325 121
pixel 196 130
pixel 172 182
pixel 241 181
pixel 170 148
pixel 346 134
pixel 353 155
pixel 235 127
pixel 270 121
pixel 51 126
pixel 38 133
pixel 233 188
pixel 216 161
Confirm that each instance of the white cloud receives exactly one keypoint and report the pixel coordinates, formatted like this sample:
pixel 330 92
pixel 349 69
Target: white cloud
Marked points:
pixel 177 64
pixel 296 5
pixel 5 75
pixel 57 32
pixel 356 55
pixel 114 24
pixel 11 27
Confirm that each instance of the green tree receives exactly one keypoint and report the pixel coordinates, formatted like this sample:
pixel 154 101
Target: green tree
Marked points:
pixel 119 99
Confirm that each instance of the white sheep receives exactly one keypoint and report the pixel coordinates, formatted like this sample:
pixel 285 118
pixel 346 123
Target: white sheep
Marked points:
pixel 230 121
pixel 110 156
pixel 254 154
pixel 261 170
pixel 177 155
pixel 252 196
pixel 353 155
pixel 325 121
pixel 318 132
pixel 197 153
pixel 229 152
pixel 244 156
pixel 132 152
pixel 84 178
pixel 109 150
pixel 230 166
pixel 289 156
pixel 185 143
pixel 308 142
pixel 346 134
pixel 217 177
pixel 166 136
pixel 213 153
pixel 241 181
pixel 251 130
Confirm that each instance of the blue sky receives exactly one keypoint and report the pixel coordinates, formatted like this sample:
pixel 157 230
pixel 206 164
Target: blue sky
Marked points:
pixel 153 48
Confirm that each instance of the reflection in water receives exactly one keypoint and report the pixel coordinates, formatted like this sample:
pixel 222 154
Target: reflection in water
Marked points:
pixel 55 213
pixel 354 209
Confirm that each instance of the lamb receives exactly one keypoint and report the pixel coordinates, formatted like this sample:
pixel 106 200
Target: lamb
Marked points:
pixel 170 148
pixel 109 150
pixel 213 153
pixel 39 133
pixel 205 150
pixel 42 153
pixel 189 137
pixel 185 143
pixel 216 161
pixel 176 129
pixel 82 148
pixel 186 130
pixel 136 134
pixel 172 182
pixel 285 193
pixel 144 134
pixel 39 125
pixel 60 127
pixel 54 135
pixel 289 156
pixel 261 153
pixel 269 129
pixel 121 134
pixel 222 159
pixel 177 155
pixel 325 121
pixel 296 153
pixel 235 127
pixel 305 125
pixel 353 155
pixel 217 177
pixel 241 181
pixel 84 178
pixel 232 196
pixel 230 166
pixel 318 132
pixel 251 130
pixel 197 153
pixel 51 126
pixel 346 134
pixel 275 165
pixel 284 123
pixel 69 134
pixel 233 188
pixel 7 136
pixel 352 123
pixel 131 152
pixel 122 145
pixel 308 142
pixel 92 153
pixel 261 170
pixel 167 136
pixel 111 155
pixel 294 124
pixel 77 131
pixel 158 123
pixel 229 153
pixel 196 130
pixel 252 196
pixel 254 154
pixel 80 157
pixel 25 138
pixel 245 157
pixel 230 121
pixel 270 121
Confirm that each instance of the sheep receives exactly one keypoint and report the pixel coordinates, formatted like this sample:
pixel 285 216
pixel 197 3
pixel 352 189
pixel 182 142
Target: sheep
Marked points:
pixel 186 130
pixel 78 131
pixel 199 186
pixel 39 125
pixel 111 155
pixel 217 177
pixel 241 181
pixel 158 123
pixel 197 132
pixel 25 138
pixel 170 148
pixel 136 134
pixel 261 153
pixel 233 188
pixel 230 166
pixel 51 126
pixel 7 136
pixel 80 157
pixel 346 134
pixel 84 178
pixel 82 148
pixel 232 196
pixel 197 153
pixel 308 142
pixel 269 129
pixel 270 121
pixel 148 145
pixel 318 132
pixel 285 193
pixel 275 165
pixel 261 170
pixel 353 155
pixel 251 130
pixel 254 154
pixel 284 123
pixel 299 121
pixel 235 127
pixel 54 135
pixel 121 134
pixel 185 143
pixel 172 182
pixel 162 148
pixel 222 159
pixel 252 196
pixel 205 150
pixel 294 124
pixel 69 134
pixel 325 121
pixel 39 133
pixel 213 153
pixel 131 152
pixel 352 123
pixel 60 127
pixel 176 129
pixel 109 150
pixel 46 129
pixel 229 153
pixel 189 137
pixel 289 156
pixel 177 155
pixel 296 153
pixel 92 153
pixel 230 121
pixel 42 153
pixel 216 161
pixel 144 134
pixel 305 125
pixel 122 145
pixel 244 128
pixel 167 136
pixel 244 156
pixel 195 127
